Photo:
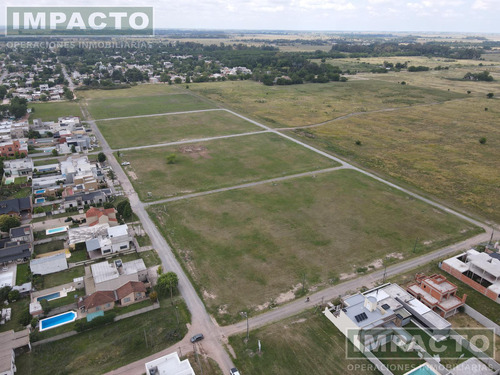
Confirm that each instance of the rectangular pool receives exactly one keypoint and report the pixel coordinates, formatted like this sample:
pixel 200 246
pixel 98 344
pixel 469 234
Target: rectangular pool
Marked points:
pixel 39 200
pixel 49 297
pixel 56 230
pixel 41 191
pixel 57 320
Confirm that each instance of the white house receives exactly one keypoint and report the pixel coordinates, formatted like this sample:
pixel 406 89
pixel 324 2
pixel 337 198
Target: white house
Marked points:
pixel 169 365
pixel 51 264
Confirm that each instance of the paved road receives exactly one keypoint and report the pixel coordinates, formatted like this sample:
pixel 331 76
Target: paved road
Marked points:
pixel 250 184
pixel 4 74
pixel 196 140
pixel 68 78
pixel 201 320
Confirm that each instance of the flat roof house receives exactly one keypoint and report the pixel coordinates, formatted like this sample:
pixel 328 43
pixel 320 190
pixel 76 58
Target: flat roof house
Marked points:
pixel 9 342
pixel 437 293
pixel 111 276
pixel 50 264
pixel 169 365
pixel 479 270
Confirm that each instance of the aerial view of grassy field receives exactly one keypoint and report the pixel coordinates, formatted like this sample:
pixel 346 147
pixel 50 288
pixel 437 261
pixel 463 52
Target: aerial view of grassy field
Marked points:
pixel 247 248
pixel 51 111
pixel 295 346
pixel 144 105
pixel 217 163
pixel 299 105
pixel 435 148
pixel 134 91
pixel 139 131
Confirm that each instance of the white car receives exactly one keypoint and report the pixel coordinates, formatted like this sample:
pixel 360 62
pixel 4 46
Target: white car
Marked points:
pixel 125 163
pixel 234 371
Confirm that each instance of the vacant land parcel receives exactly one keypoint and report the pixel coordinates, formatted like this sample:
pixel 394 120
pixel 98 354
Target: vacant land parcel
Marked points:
pixel 162 129
pixel 144 105
pixel 217 163
pixel 435 148
pixel 245 247
pixel 52 111
pixel 299 105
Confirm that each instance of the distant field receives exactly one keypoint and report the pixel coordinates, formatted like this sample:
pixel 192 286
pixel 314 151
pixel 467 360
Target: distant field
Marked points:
pixel 139 90
pixel 244 248
pixel 214 164
pixel 144 105
pixel 434 148
pixel 298 105
pixel 162 129
pixel 303 344
pixel 51 111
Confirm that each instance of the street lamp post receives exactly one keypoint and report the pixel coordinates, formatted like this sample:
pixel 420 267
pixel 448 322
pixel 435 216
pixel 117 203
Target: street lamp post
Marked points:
pixel 245 314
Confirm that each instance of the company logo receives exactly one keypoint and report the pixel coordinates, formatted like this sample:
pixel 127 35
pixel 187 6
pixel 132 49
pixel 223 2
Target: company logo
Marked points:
pixel 79 21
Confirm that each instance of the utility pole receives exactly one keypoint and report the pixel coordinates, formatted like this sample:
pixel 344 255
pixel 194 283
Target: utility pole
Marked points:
pixel 245 314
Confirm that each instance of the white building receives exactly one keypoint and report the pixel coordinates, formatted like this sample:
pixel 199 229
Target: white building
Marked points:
pixel 51 264
pixel 169 365
pixel 111 276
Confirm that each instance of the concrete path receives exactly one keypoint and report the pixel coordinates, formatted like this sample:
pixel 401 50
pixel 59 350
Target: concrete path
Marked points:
pixel 160 114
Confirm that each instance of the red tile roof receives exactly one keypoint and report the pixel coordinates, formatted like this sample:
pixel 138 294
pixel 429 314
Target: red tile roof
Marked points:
pixel 130 287
pixel 98 299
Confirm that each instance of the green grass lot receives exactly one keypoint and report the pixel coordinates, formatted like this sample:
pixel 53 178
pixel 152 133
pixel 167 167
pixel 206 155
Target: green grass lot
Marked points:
pixel 63 277
pixel 45 162
pixel 476 300
pixel 78 256
pixel 144 105
pixel 23 273
pixel 69 299
pixel 304 344
pixel 17 308
pixel 163 129
pixel 49 246
pixel 434 148
pixel 218 163
pixel 312 103
pixel 52 111
pixel 396 359
pixel 243 248
pixel 134 91
pixel 106 348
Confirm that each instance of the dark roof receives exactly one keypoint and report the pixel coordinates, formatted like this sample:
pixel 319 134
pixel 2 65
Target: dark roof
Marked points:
pixel 130 287
pixel 495 255
pixel 15 252
pixel 87 196
pixel 98 299
pixel 19 231
pixel 15 205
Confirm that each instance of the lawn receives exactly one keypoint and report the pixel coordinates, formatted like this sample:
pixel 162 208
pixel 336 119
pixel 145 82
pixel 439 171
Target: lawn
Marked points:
pixel 49 246
pixel 215 164
pixel 299 105
pixel 434 148
pixel 135 91
pixel 17 308
pixel 45 162
pixel 139 132
pixel 397 360
pixel 144 105
pixel 249 248
pixel 69 299
pixel 23 273
pixel 150 258
pixel 78 256
pixel 304 344
pixel 51 111
pixel 63 277
pixel 105 348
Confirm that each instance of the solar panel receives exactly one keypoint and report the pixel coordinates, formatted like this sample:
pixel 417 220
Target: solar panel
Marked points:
pixel 361 317
pixel 385 306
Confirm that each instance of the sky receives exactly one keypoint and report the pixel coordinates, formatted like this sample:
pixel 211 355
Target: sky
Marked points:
pixel 474 16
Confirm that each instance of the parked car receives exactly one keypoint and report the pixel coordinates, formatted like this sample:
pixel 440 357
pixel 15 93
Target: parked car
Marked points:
pixel 197 338
pixel 125 163
pixel 234 371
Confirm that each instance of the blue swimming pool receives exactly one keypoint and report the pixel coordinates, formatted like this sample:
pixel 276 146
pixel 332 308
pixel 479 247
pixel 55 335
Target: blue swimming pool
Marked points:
pixel 56 230
pixel 41 191
pixel 48 297
pixel 58 320
pixel 39 200
pixel 421 370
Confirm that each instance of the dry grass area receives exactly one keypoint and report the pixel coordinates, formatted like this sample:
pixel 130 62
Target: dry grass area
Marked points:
pixel 298 105
pixel 251 248
pixel 134 91
pixel 435 148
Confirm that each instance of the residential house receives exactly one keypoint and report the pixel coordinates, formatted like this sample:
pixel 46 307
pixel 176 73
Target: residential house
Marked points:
pixel 479 270
pixel 73 199
pixel 437 293
pixel 16 207
pixel 21 234
pixel 99 301
pixel 49 264
pixel 11 147
pixel 105 240
pixel 18 167
pixel 98 215
pixel 11 341
pixel 131 292
pixel 169 364
pixel 18 246
pixel 111 276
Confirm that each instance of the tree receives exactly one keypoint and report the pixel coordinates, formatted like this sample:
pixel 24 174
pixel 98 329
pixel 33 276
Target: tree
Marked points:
pixel 68 94
pixel 73 149
pixel 45 306
pixel 18 107
pixel 159 270
pixel 38 210
pixel 25 317
pixel 55 153
pixel 14 295
pixel 111 175
pixel 101 157
pixel 171 159
pixel 124 209
pixel 108 205
pixel 7 222
pixel 167 282
pixel 153 296
pixel 490 95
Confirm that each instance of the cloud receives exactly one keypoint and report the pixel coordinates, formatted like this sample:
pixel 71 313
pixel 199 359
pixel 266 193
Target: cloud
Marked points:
pixel 337 5
pixel 485 5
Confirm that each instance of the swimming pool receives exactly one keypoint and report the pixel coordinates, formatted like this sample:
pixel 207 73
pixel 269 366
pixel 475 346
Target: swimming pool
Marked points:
pixel 39 200
pixel 421 370
pixel 49 297
pixel 56 230
pixel 58 320
pixel 40 191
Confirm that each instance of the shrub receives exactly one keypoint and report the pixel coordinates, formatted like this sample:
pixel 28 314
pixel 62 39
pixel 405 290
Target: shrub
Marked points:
pixel 490 95
pixel 482 140
pixel 358 143
pixel 14 295
pixel 361 269
pixel 25 317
